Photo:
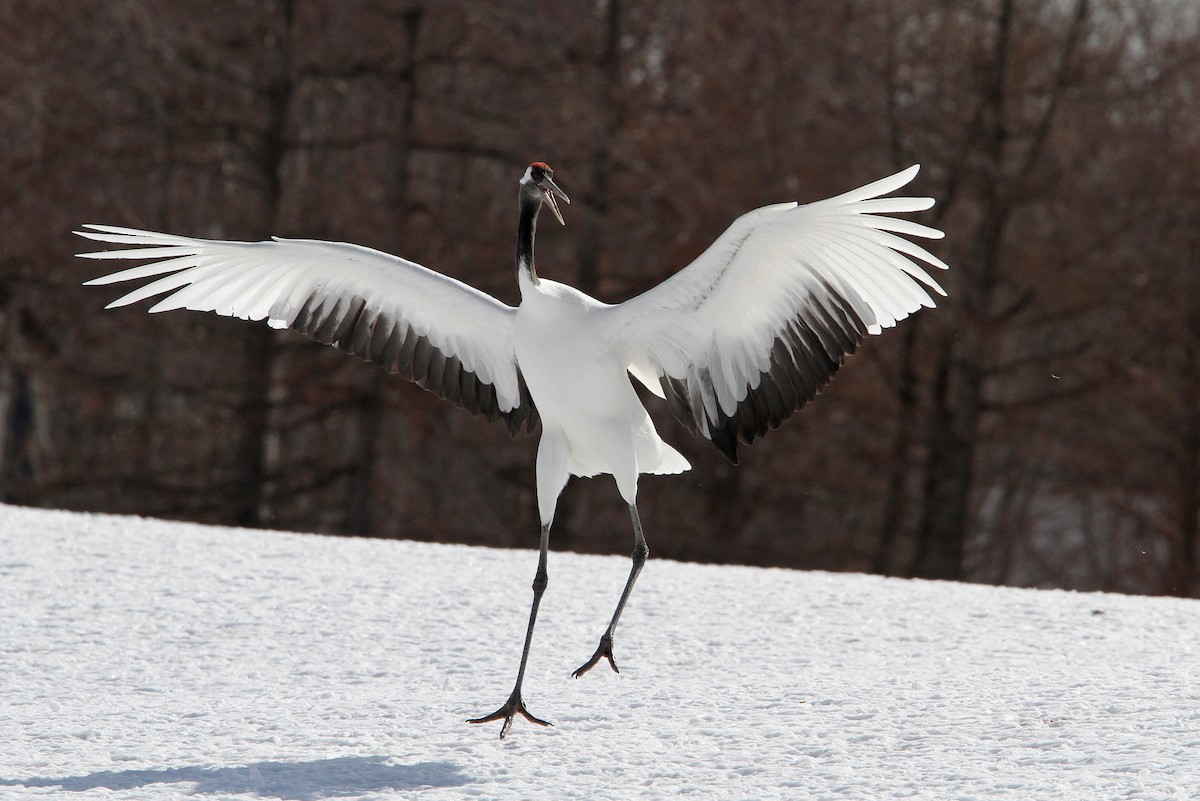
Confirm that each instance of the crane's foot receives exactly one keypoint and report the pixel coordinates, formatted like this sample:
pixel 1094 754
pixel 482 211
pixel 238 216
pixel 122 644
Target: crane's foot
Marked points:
pixel 512 707
pixel 603 650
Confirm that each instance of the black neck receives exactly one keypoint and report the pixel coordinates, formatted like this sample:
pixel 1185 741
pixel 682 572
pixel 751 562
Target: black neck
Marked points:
pixel 529 211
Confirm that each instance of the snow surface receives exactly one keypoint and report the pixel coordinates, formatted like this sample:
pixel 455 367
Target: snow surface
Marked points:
pixel 143 659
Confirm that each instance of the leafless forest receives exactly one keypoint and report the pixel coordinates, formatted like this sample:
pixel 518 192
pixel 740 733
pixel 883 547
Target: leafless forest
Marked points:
pixel 1040 428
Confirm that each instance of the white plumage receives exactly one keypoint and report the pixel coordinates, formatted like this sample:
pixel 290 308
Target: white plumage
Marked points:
pixel 735 342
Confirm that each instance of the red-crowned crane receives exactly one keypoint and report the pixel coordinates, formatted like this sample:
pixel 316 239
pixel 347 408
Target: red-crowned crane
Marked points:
pixel 735 342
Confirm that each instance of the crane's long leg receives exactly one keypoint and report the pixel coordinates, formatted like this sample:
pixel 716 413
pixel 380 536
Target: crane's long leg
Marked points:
pixel 640 552
pixel 553 461
pixel 514 705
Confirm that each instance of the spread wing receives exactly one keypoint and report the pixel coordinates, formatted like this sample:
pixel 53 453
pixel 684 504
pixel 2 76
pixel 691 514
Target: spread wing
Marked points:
pixel 448 337
pixel 757 325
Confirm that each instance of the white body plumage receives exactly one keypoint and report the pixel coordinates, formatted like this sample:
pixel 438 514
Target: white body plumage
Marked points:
pixel 592 419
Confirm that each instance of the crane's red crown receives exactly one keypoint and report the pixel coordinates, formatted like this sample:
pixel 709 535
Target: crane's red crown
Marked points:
pixel 541 164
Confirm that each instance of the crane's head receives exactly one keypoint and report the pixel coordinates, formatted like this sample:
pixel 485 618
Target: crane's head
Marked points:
pixel 539 178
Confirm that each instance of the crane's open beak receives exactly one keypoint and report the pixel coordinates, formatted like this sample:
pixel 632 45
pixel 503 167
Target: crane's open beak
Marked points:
pixel 549 190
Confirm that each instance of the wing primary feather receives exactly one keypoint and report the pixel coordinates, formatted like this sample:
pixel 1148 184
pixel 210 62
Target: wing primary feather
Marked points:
pixel 386 341
pixel 435 372
pixel 180 261
pixel 468 393
pixel 899 226
pixel 486 394
pixel 452 381
pixel 304 316
pixel 725 438
pixel 406 342
pixel 874 189
pixel 785 368
pixel 422 354
pixel 760 410
pixel 893 205
pixel 329 319
pixel 676 393
pixel 343 336
pixel 812 360
pixel 833 339
pixel 360 340
pixel 776 411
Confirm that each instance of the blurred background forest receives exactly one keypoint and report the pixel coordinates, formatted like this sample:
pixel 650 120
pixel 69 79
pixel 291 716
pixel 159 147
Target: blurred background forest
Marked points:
pixel 1040 428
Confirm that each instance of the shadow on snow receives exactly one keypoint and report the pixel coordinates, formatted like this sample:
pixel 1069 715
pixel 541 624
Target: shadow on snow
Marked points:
pixel 289 781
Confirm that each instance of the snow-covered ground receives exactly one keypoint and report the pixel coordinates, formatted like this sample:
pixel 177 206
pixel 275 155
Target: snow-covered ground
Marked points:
pixel 147 660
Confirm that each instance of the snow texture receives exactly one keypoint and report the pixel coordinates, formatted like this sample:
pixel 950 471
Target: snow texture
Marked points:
pixel 142 659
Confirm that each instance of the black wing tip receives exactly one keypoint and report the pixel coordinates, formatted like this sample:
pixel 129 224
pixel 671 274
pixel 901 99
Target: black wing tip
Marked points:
pixel 725 438
pixel 518 423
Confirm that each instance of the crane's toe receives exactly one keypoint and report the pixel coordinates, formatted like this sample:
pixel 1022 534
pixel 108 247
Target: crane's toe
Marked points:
pixel 512 707
pixel 603 650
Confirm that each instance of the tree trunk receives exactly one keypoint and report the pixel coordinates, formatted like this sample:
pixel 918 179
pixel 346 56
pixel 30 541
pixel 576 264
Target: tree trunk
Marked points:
pixel 899 464
pixel 252 502
pixel 609 124
pixel 956 404
pixel 1184 575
